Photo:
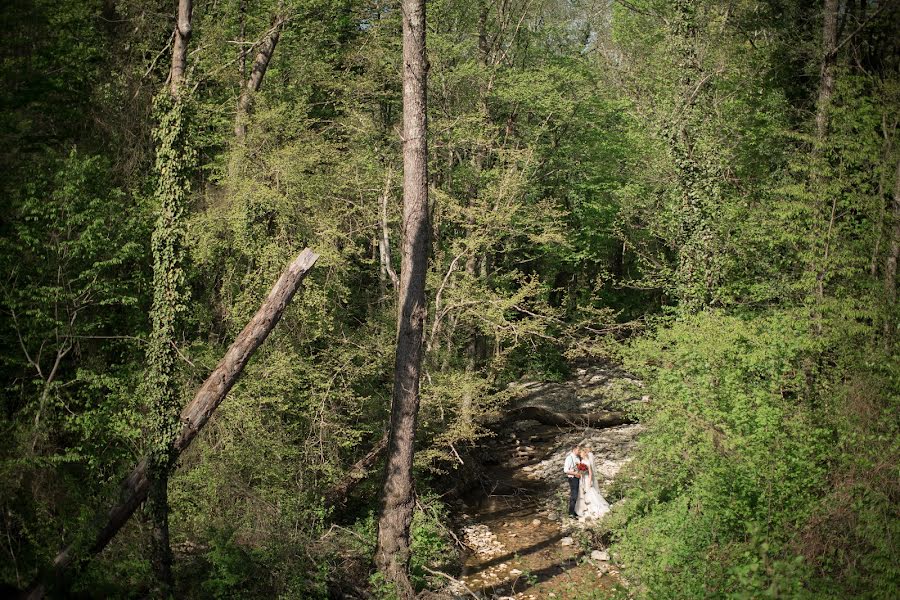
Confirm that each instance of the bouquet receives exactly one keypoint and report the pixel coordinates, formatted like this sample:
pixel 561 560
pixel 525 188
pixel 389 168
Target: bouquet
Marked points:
pixel 582 468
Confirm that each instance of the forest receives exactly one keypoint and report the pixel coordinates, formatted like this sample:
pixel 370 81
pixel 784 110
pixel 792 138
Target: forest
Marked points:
pixel 313 299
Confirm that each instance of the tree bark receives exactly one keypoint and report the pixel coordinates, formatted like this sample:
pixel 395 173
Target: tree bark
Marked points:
pixel 135 488
pixel 829 62
pixel 338 493
pixel 599 420
pixel 257 72
pixel 476 262
pixel 890 267
pixel 168 283
pixel 392 552
pixel 180 47
pixel 384 243
pixel 823 106
pixel 242 53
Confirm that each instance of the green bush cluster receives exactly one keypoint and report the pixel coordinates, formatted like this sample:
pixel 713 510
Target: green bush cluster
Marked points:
pixel 744 466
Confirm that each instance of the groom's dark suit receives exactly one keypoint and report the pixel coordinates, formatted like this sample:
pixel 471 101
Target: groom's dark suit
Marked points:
pixel 573 494
pixel 569 467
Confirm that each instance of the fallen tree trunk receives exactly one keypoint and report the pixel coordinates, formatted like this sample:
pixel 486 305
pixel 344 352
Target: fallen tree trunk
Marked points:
pixel 338 493
pixel 599 420
pixel 194 416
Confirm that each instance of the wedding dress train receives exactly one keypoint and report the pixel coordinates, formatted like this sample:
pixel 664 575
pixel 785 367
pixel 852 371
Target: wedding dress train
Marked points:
pixel 591 504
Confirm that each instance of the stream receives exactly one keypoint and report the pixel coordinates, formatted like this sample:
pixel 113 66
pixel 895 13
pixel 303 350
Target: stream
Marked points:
pixel 521 544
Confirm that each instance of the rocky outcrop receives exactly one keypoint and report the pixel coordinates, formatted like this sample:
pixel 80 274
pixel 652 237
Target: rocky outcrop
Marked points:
pixel 591 389
pixel 520 546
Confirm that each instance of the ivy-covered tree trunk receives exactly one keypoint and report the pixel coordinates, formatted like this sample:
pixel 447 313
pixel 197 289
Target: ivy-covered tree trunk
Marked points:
pixel 137 486
pixel 392 553
pixel 168 301
pixel 173 161
pixel 695 274
pixel 827 67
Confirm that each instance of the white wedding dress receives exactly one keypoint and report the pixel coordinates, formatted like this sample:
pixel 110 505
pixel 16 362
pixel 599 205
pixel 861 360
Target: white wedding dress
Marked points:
pixel 591 504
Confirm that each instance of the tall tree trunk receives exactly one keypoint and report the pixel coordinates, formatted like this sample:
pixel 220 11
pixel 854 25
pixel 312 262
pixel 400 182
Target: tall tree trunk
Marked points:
pixel 257 72
pixel 242 53
pixel 887 133
pixel 398 497
pixel 823 107
pixel 180 47
pixel 136 487
pixel 167 243
pixel 475 263
pixel 696 275
pixel 890 267
pixel 826 71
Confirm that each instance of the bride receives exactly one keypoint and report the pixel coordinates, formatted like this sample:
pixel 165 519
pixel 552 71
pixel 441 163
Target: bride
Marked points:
pixel 591 504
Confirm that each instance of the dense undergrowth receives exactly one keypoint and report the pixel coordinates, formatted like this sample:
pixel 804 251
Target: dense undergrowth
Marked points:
pixel 667 184
pixel 764 468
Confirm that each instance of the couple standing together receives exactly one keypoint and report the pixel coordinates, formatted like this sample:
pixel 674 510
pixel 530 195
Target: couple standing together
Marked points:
pixel 584 493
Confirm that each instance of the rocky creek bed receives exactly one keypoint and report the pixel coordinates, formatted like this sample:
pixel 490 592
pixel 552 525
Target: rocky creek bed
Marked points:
pixel 520 543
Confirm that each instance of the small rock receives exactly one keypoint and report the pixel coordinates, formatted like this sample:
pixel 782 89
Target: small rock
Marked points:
pixel 600 555
pixel 566 541
pixel 551 595
pixel 535 522
pixel 515 572
pixel 552 516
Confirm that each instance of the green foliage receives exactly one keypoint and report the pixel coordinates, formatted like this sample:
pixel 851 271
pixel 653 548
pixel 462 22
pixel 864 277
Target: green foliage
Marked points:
pixel 736 457
pixel 643 172
pixel 73 257
pixel 174 158
pixel 734 205
pixel 430 544
pixel 233 569
pixel 731 458
pixel 381 588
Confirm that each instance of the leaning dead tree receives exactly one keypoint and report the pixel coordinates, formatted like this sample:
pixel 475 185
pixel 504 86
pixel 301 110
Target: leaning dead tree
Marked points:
pixel 257 72
pixel 356 474
pixel 194 416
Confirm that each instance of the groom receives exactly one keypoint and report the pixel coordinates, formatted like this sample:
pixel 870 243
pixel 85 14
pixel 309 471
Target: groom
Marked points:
pixel 571 470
